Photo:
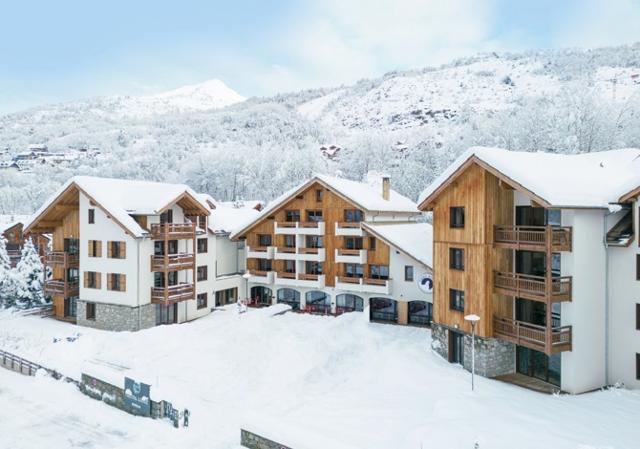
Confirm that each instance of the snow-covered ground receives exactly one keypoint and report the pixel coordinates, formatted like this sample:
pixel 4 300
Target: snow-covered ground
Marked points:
pixel 302 377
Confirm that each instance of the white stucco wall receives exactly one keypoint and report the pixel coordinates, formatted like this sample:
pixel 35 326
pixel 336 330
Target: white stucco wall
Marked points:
pixel 583 368
pixel 624 293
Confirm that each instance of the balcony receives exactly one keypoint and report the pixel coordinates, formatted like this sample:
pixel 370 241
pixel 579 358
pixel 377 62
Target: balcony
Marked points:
pixel 363 285
pixel 260 252
pixel 285 253
pixel 358 256
pixel 311 254
pixel 172 262
pixel 348 229
pixel 310 280
pixel 62 258
pixel 299 227
pixel 533 238
pixel 172 294
pixel 173 231
pixel 61 287
pixel 261 277
pixel 533 336
pixel 533 287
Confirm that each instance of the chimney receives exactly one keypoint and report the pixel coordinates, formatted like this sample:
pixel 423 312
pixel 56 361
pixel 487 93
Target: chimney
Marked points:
pixel 386 187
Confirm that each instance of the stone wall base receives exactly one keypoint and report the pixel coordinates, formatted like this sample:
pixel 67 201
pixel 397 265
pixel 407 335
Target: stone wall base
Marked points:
pixel 113 317
pixel 493 357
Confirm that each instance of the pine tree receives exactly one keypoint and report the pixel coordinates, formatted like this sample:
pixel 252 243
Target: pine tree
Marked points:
pixel 29 276
pixel 7 282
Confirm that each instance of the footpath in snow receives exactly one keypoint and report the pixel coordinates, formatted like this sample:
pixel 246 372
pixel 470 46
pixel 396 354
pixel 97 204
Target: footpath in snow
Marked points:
pixel 305 378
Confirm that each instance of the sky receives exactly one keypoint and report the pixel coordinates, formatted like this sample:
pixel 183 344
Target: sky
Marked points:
pixel 66 50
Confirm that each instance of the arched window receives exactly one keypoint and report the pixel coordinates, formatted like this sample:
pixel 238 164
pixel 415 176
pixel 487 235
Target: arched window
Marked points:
pixel 289 296
pixel 318 302
pixel 261 296
pixel 383 309
pixel 349 303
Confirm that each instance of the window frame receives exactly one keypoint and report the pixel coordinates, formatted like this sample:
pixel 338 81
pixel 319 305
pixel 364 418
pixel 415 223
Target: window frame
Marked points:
pixel 319 195
pixel 199 249
pixel 292 213
pixel 456 217
pixel 260 240
pixel 91 216
pixel 453 265
pixel 199 304
pixel 90 311
pixel 202 269
pixel 455 298
pixel 410 270
pixel 372 243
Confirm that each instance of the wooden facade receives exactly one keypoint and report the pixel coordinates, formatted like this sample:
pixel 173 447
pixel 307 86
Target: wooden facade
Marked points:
pixel 333 207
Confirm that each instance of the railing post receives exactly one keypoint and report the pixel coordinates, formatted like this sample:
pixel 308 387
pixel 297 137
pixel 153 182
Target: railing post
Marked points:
pixel 549 287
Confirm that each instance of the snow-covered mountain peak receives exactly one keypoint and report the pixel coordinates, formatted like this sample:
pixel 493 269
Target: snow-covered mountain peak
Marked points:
pixel 209 94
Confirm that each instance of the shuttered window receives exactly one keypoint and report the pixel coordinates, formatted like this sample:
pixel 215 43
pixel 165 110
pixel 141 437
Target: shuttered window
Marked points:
pixel 117 250
pixel 95 248
pixel 92 279
pixel 116 282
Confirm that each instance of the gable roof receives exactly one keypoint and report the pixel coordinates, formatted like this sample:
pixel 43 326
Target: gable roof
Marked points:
pixel 587 180
pixel 122 198
pixel 226 216
pixel 414 239
pixel 366 196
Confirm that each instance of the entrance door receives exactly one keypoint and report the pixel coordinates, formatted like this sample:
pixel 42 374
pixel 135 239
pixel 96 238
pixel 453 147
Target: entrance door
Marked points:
pixel 456 347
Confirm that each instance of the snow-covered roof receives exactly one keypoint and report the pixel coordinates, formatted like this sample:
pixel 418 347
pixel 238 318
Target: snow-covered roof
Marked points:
pixel 588 180
pixel 122 198
pixel 414 239
pixel 367 196
pixel 249 204
pixel 227 216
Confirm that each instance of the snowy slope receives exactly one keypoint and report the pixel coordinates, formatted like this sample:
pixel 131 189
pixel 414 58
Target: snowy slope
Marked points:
pixel 307 379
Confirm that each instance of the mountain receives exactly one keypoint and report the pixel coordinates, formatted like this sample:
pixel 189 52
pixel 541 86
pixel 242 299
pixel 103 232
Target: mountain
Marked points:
pixel 410 124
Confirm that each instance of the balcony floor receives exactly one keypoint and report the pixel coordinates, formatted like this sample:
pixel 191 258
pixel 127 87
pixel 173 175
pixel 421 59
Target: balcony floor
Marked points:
pixel 530 383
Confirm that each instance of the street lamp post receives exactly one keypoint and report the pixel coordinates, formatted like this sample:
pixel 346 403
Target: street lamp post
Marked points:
pixel 473 319
pixel 246 276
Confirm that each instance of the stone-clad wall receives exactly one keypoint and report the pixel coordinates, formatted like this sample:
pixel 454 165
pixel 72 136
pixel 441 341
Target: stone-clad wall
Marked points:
pixel 117 318
pixel 254 441
pixel 493 357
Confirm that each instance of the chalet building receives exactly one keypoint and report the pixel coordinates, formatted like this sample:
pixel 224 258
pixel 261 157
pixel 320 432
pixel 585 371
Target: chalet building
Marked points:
pixel 128 255
pixel 332 245
pixel 11 227
pixel 543 248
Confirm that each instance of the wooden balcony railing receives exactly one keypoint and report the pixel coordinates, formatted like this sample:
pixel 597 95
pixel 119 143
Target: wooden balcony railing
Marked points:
pixel 349 224
pixel 308 250
pixel 533 237
pixel 285 275
pixel 370 281
pixel 173 231
pixel 309 224
pixel 533 336
pixel 287 249
pixel 533 287
pixel 348 252
pixel 287 224
pixel 65 288
pixel 172 262
pixel 62 258
pixel 259 273
pixel 349 280
pixel 172 294
pixel 307 277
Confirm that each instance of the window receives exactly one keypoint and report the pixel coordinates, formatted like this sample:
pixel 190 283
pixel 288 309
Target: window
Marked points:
pixel 289 241
pixel 456 258
pixel 372 243
pixel 289 266
pixel 638 317
pixel 203 245
pixel 379 271
pixel 90 311
pixel 202 300
pixel 264 240
pixel 456 299
pixel 158 279
pixel 353 243
pixel 456 217
pixel 353 215
pixel 203 272
pixel 264 264
pixel 313 267
pixel 319 195
pixel 72 246
pixel 95 248
pixel 92 279
pixel 166 217
pixel 638 267
pixel 292 215
pixel 637 366
pixel 116 282
pixel 92 216
pixel 408 272
pixel 353 270
pixel 116 250
pixel 314 241
pixel 314 215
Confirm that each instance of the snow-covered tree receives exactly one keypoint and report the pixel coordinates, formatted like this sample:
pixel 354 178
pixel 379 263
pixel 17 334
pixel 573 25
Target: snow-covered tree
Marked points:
pixel 7 282
pixel 29 278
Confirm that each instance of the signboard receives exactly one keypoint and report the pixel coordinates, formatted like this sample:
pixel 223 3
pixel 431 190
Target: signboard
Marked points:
pixel 136 397
pixel 425 283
